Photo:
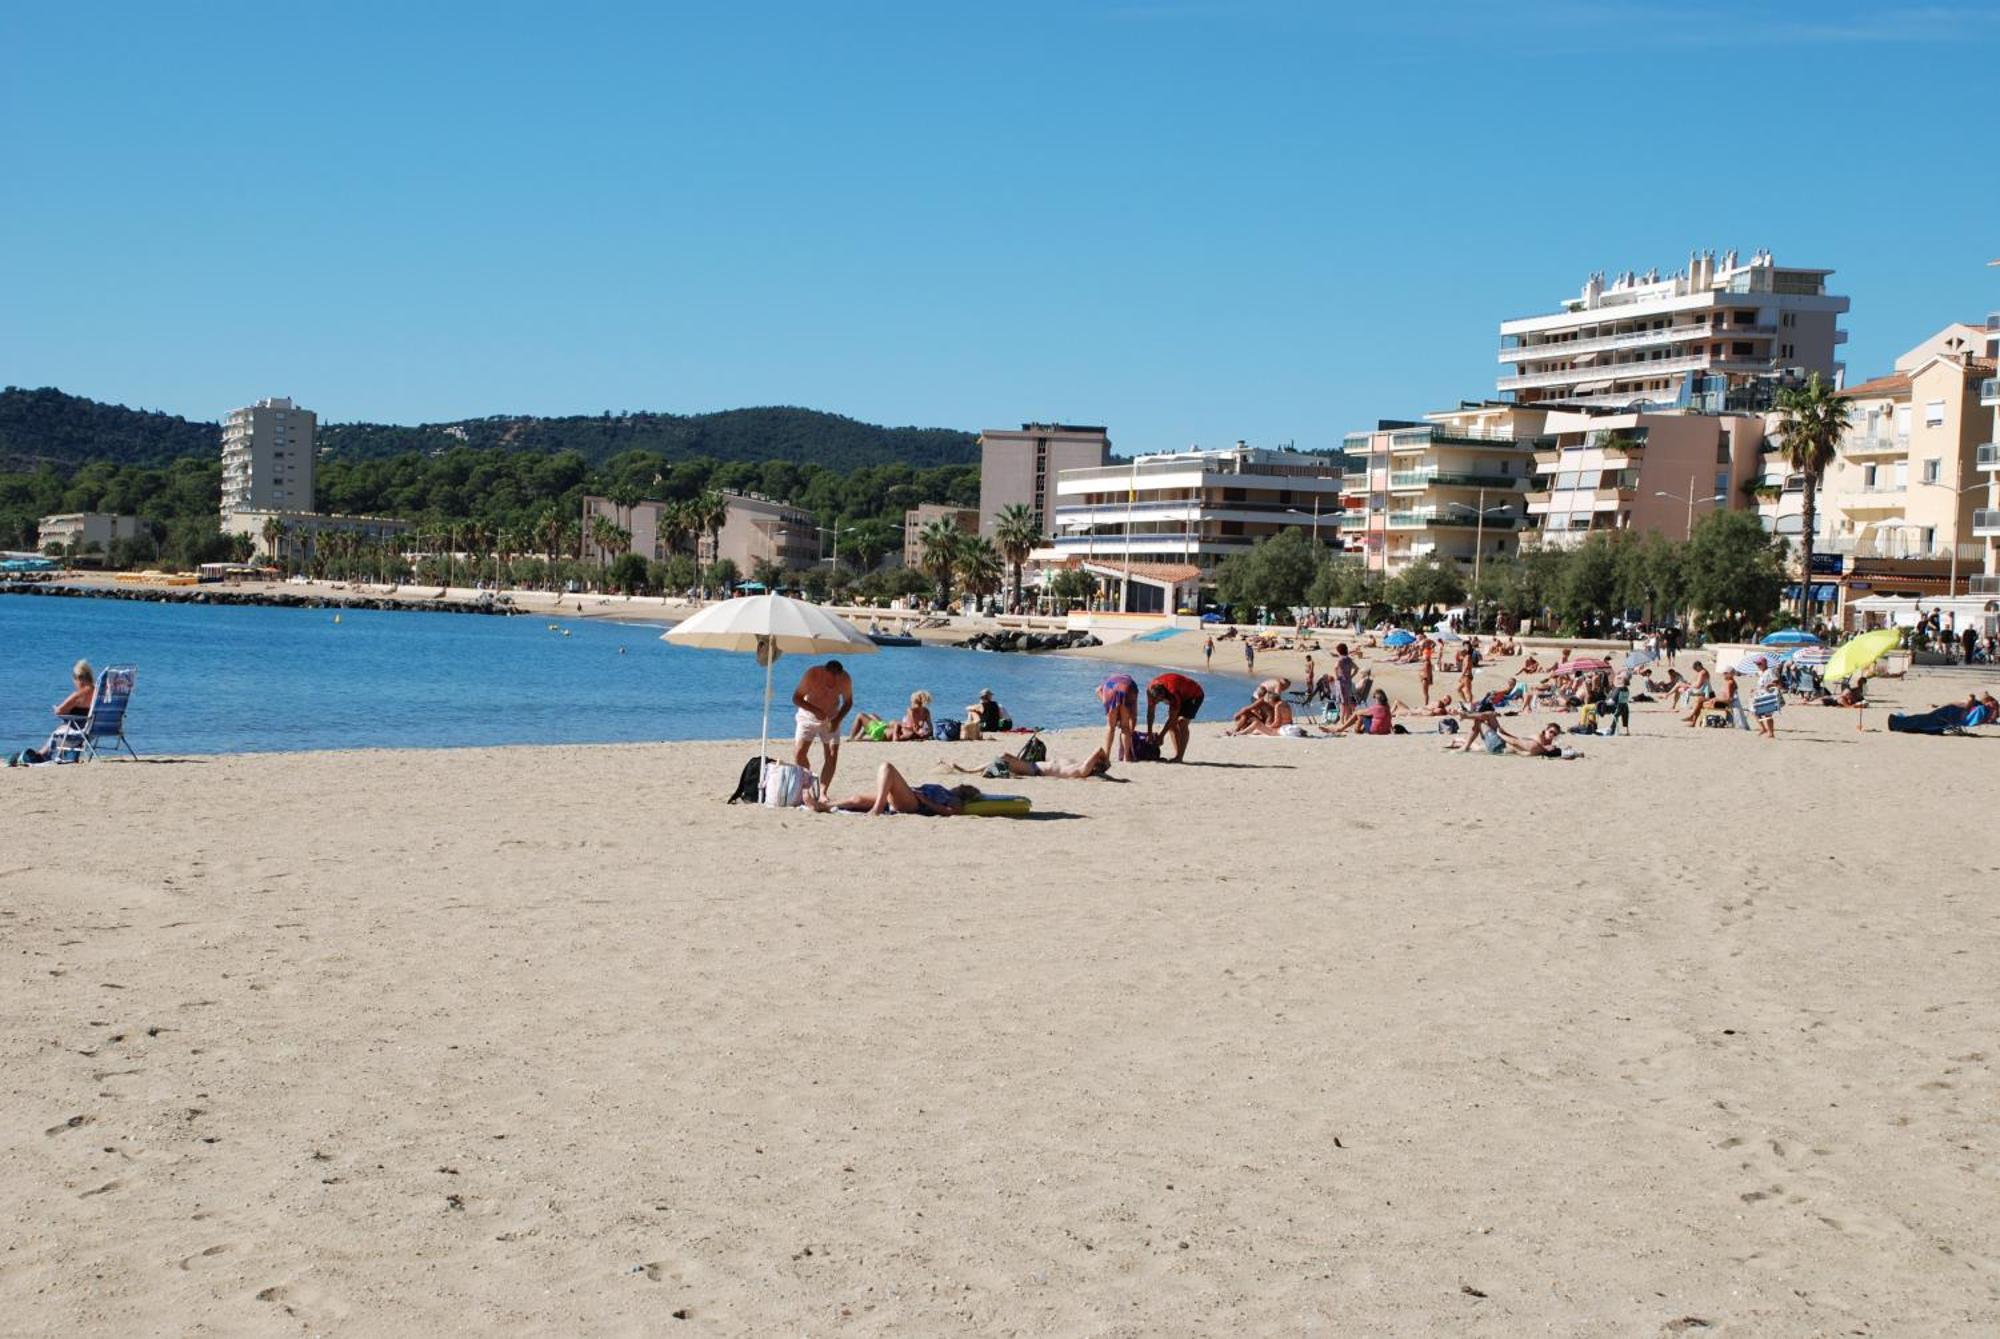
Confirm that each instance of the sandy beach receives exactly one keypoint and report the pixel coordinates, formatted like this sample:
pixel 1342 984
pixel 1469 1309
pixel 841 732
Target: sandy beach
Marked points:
pixel 1692 1036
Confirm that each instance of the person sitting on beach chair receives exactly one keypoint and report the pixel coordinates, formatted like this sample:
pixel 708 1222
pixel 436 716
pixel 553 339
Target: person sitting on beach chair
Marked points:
pixel 894 795
pixel 70 713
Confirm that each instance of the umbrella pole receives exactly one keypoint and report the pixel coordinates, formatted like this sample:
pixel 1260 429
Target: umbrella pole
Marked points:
pixel 769 654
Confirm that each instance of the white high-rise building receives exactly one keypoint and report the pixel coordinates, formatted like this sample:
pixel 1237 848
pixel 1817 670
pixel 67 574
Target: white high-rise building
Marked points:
pixel 267 458
pixel 1642 341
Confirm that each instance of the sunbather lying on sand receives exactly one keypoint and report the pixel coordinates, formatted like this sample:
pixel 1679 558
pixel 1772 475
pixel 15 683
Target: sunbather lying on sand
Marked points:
pixel 1441 707
pixel 1486 736
pixel 1270 718
pixel 894 795
pixel 1096 766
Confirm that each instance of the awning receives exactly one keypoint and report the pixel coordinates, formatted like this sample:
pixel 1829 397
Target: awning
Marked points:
pixel 1586 387
pixel 1820 594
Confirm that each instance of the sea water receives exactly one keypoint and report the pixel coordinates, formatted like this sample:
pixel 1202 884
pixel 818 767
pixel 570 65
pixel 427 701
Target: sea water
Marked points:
pixel 216 679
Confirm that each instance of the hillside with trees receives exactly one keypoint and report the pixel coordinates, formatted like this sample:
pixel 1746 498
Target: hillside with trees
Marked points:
pixel 49 427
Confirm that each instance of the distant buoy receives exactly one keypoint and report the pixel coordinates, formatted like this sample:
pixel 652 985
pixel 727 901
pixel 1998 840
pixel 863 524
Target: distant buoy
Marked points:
pixel 336 618
pixel 555 627
pixel 565 632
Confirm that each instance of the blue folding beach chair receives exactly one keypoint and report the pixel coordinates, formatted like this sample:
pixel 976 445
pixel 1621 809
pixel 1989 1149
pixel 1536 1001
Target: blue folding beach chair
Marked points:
pixel 103 730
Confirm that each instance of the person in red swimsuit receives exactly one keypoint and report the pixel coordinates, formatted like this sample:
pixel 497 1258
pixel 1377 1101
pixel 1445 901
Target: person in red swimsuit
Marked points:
pixel 1183 697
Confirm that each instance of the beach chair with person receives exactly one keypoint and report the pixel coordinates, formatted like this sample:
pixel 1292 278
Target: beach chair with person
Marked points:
pixel 103 730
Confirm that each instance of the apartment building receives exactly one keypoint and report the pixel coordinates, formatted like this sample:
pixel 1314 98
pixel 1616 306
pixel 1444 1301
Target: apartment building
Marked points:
pixel 267 457
pixel 78 531
pixel 965 519
pixel 1451 485
pixel 758 529
pixel 297 534
pixel 1657 473
pixel 1022 467
pixel 1906 482
pixel 1986 461
pixel 1191 508
pixel 1643 340
pixel 642 520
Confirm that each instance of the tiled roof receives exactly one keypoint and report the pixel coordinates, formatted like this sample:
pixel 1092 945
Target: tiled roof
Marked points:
pixel 1151 571
pixel 1893 384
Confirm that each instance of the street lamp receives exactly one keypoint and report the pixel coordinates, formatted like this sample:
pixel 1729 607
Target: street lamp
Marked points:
pixel 1952 589
pixel 1480 512
pixel 1689 498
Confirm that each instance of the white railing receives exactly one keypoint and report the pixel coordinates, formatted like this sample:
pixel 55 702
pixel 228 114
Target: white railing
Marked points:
pixel 1876 445
pixel 1633 371
pixel 1521 353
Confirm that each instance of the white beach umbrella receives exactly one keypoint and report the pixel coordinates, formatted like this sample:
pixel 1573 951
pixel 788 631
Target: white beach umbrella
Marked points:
pixel 769 626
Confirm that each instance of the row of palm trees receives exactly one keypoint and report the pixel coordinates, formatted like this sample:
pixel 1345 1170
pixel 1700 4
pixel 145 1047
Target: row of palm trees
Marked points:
pixel 977 564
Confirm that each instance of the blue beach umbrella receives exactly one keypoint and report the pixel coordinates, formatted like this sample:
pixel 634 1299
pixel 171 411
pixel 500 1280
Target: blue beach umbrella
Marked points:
pixel 1791 637
pixel 1400 637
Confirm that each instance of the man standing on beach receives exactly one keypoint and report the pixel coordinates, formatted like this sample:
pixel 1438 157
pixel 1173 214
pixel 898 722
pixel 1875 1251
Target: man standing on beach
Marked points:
pixel 1208 652
pixel 823 698
pixel 1249 656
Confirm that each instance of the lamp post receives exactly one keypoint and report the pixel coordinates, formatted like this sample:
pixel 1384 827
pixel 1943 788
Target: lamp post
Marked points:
pixel 1479 539
pixel 1689 498
pixel 1956 493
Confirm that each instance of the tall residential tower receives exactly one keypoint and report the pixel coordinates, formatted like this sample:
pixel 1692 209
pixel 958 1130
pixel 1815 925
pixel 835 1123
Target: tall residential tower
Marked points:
pixel 267 458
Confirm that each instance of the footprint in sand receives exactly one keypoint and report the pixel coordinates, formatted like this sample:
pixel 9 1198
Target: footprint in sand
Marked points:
pixel 188 1263
pixel 304 1302
pixel 106 1188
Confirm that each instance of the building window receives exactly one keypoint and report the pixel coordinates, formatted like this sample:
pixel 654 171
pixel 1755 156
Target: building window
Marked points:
pixel 1934 414
pixel 1931 468
pixel 1930 539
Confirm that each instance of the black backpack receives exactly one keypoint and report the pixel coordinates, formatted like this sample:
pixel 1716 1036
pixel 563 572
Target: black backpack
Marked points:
pixel 746 784
pixel 1034 750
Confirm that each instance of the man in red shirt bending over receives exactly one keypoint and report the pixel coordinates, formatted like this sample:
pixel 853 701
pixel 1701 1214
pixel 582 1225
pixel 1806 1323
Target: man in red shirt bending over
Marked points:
pixel 1183 697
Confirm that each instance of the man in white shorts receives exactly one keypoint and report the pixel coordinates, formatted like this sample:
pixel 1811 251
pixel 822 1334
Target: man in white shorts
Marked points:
pixel 823 698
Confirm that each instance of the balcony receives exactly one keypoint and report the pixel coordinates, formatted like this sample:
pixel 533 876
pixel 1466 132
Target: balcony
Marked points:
pixel 1986 524
pixel 1679 334
pixel 1407 440
pixel 1405 480
pixel 1993 321
pixel 1984 585
pixel 1424 520
pixel 1353 521
pixel 1638 370
pixel 1876 444
pixel 1988 456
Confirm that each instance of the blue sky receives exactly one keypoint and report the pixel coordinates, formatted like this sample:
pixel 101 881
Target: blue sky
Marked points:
pixel 1192 221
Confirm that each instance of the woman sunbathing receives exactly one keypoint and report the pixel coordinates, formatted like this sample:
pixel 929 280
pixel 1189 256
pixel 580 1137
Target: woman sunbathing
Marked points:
pixel 894 795
pixel 1486 736
pixel 1097 765
pixel 1276 715
pixel 1441 707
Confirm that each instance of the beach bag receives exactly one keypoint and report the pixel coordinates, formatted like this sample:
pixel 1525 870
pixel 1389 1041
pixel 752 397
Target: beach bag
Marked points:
pixel 1447 726
pixel 746 784
pixel 785 785
pixel 1145 747
pixel 1767 703
pixel 1034 750
pixel 945 729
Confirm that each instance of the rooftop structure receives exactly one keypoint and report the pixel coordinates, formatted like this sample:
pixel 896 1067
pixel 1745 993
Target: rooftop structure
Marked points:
pixel 1640 340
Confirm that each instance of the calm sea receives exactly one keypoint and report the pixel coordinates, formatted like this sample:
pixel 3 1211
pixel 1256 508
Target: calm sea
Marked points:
pixel 225 680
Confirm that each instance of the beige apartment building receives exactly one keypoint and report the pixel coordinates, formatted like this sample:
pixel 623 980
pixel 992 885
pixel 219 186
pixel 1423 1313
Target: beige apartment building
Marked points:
pixel 755 529
pixel 1907 481
pixel 1656 473
pixel 966 519
pixel 1451 485
pixel 1643 340
pixel 1022 467
pixel 298 534
pixel 1986 460
pixel 83 530
pixel 267 457
pixel 1190 509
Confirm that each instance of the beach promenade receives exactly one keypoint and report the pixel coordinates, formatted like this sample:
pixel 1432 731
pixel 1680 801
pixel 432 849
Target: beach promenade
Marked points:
pixel 1352 1036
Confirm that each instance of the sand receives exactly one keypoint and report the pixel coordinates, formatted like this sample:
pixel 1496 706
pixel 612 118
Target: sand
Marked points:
pixel 1695 1035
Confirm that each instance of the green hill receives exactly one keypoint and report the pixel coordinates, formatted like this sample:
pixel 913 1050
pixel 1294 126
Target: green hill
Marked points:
pixel 48 427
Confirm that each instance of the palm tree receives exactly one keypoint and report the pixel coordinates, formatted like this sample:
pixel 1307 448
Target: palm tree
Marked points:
pixel 980 567
pixel 274 538
pixel 866 541
pixel 938 546
pixel 674 528
pixel 1811 421
pixel 604 534
pixel 710 514
pixel 1016 535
